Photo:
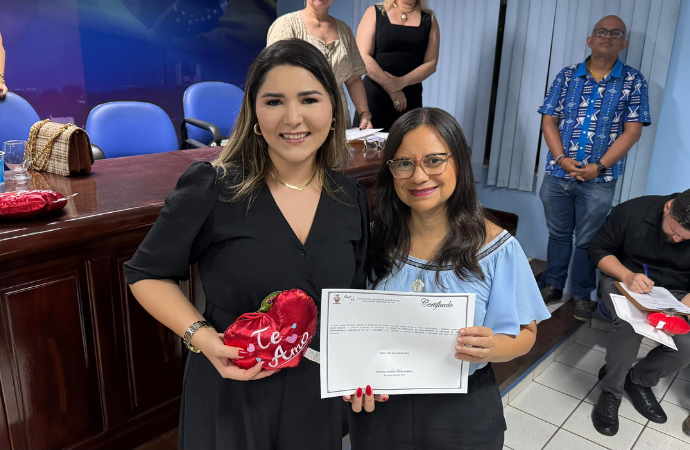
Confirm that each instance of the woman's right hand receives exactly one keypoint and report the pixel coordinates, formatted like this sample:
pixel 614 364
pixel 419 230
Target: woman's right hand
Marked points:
pixel 399 101
pixel 364 399
pixel 213 347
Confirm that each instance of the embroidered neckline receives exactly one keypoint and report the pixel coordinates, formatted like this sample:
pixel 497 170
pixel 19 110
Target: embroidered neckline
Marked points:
pixel 487 250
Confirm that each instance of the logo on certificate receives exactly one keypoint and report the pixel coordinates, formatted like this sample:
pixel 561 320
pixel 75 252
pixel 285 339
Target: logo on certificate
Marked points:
pixel 336 299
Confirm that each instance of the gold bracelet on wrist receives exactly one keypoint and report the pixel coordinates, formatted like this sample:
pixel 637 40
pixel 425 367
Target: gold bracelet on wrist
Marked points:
pixel 2 78
pixel 365 113
pixel 193 328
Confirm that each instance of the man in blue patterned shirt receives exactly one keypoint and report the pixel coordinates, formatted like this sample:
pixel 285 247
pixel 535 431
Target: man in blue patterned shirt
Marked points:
pixel 592 115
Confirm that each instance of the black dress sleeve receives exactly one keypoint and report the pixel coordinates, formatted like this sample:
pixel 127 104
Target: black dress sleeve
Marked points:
pixel 610 238
pixel 360 248
pixel 183 230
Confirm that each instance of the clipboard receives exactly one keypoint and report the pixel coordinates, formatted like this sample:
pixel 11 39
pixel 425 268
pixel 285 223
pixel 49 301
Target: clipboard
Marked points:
pixel 625 293
pixel 675 309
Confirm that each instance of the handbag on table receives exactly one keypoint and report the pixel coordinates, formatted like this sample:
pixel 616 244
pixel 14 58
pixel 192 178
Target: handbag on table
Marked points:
pixel 62 149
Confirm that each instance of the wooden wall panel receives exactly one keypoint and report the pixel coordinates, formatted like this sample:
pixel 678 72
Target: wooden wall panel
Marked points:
pixel 48 359
pixel 155 369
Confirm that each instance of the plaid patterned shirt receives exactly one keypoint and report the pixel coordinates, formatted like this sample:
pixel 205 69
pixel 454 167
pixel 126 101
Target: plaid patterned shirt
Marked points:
pixel 591 114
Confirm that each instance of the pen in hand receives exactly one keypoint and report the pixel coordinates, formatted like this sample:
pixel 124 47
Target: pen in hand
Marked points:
pixel 646 274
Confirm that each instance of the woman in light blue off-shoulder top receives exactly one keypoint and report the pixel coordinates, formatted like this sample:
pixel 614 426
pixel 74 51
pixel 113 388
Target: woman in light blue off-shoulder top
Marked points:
pixel 430 234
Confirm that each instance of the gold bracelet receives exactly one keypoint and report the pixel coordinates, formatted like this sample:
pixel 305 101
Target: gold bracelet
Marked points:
pixel 365 112
pixel 2 78
pixel 193 328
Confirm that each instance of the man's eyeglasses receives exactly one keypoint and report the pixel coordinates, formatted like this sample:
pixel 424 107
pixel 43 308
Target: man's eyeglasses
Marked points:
pixel 602 32
pixel 431 165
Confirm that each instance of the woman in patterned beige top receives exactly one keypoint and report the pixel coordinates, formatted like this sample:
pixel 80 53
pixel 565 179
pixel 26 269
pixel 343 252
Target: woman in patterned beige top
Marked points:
pixel 337 43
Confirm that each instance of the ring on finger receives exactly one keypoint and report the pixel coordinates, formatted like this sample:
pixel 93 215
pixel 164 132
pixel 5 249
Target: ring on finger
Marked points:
pixel 483 353
pixel 397 103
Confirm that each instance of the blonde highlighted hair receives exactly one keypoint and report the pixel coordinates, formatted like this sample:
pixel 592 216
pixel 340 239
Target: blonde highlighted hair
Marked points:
pixel 245 157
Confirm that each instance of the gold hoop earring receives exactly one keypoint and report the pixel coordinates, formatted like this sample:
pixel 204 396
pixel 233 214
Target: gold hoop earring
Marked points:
pixel 333 127
pixel 256 129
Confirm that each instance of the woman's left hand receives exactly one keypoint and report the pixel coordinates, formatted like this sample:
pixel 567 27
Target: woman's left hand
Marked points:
pixel 364 399
pixel 394 84
pixel 475 344
pixel 365 122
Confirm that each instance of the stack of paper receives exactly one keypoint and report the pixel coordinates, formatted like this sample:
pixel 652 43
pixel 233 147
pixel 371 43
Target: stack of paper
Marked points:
pixel 660 299
pixel 354 134
pixel 638 319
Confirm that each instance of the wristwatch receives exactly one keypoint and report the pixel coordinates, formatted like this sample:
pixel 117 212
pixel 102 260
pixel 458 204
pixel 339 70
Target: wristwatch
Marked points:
pixel 602 169
pixel 187 338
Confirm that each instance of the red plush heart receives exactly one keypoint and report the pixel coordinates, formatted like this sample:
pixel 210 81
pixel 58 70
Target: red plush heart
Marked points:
pixel 279 336
pixel 672 324
pixel 32 203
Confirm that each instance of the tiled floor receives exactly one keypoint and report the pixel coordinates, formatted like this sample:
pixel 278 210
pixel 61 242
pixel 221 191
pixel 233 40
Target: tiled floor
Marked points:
pixel 553 411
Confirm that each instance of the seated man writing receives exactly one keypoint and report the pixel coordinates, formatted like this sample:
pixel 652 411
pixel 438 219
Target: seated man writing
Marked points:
pixel 652 231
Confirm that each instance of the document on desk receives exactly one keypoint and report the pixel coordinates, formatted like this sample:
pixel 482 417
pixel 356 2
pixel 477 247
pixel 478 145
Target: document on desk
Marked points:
pixel 353 134
pixel 395 342
pixel 659 299
pixel 638 320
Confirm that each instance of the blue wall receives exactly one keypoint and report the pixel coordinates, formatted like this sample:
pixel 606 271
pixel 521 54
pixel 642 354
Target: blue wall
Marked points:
pixel 67 56
pixel 670 169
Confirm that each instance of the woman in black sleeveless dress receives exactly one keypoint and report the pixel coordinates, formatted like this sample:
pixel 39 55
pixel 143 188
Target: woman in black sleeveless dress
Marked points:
pixel 399 42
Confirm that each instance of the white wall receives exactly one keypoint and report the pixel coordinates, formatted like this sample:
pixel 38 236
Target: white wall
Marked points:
pixel 670 168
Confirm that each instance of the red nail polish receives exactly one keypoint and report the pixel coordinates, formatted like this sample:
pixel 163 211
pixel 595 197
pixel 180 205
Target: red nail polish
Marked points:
pixel 243 353
pixel 359 392
pixel 369 390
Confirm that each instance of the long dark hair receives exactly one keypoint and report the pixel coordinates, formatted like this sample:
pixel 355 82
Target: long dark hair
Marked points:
pixel 390 240
pixel 245 156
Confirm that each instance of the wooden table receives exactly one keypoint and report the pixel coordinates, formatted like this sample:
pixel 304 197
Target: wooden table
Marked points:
pixel 82 365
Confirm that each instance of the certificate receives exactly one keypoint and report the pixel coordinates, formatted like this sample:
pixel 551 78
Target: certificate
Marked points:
pixel 396 342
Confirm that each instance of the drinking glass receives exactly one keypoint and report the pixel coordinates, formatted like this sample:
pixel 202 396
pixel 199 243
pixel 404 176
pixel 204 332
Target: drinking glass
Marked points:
pixel 2 168
pixel 16 160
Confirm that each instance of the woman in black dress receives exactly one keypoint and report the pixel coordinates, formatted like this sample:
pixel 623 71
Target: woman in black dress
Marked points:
pixel 269 214
pixel 399 42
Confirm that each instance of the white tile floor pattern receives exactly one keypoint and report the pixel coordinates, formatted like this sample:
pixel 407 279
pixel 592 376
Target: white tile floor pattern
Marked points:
pixel 552 411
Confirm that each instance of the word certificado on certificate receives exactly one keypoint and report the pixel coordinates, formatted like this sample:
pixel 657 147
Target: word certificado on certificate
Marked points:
pixel 395 342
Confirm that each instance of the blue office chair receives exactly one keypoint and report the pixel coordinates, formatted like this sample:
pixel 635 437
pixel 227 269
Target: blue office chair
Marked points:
pixel 131 128
pixel 210 110
pixel 16 117
pixel 604 311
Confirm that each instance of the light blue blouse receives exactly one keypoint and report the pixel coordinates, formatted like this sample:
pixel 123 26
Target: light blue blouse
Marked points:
pixel 507 297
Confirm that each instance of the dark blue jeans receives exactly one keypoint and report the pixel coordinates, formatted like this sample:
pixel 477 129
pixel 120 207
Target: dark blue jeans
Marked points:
pixel 573 206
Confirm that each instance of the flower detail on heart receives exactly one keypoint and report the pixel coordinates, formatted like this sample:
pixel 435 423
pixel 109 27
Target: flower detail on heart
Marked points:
pixel 291 339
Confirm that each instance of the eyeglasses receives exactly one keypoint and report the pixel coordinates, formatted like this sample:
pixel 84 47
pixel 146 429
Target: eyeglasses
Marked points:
pixel 431 165
pixel 602 32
